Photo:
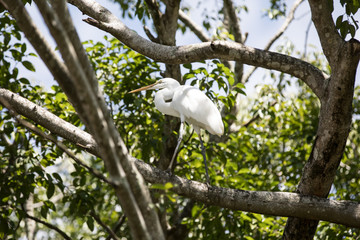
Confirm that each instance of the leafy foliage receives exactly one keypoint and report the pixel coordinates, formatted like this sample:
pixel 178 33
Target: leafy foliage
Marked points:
pixel 346 23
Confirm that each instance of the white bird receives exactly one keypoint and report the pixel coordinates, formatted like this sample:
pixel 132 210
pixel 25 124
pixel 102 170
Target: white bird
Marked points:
pixel 190 105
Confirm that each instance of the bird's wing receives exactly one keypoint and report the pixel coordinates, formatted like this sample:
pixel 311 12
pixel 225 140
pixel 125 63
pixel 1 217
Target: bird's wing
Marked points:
pixel 197 109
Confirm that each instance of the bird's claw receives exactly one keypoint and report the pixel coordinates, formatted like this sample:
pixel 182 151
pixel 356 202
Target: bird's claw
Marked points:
pixel 168 171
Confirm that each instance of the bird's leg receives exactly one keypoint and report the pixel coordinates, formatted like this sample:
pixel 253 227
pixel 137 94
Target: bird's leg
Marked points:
pixel 177 146
pixel 204 156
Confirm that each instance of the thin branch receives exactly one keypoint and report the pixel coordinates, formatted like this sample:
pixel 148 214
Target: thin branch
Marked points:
pixel 49 225
pixel 290 17
pixel 150 36
pixel 256 117
pixel 118 225
pixel 195 28
pixel 156 14
pixel 101 223
pixel 285 25
pixel 306 38
pixel 234 25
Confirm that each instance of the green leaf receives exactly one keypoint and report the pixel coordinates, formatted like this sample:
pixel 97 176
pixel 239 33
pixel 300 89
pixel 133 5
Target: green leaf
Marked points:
pixel 50 190
pixel 352 30
pixel 23 48
pixel 28 65
pixel 24 81
pixel 44 210
pixel 90 223
pixel 187 65
pixel 339 21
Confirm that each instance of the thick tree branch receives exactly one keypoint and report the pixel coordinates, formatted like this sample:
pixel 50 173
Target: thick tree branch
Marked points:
pixel 198 31
pixel 329 37
pixel 61 9
pixel 312 76
pixel 234 21
pixel 156 15
pixel 272 203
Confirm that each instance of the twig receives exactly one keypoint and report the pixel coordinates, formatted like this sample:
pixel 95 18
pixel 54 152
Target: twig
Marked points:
pixel 101 223
pixel 195 28
pixel 49 225
pixel 150 36
pixel 256 117
pixel 306 38
pixel 118 225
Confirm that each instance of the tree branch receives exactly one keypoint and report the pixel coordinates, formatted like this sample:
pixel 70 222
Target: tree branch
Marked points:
pixel 234 22
pixel 156 15
pixel 194 27
pixel 49 225
pixel 117 226
pixel 272 203
pixel 311 75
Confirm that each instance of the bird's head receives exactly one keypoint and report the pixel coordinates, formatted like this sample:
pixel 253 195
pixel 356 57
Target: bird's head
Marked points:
pixel 160 84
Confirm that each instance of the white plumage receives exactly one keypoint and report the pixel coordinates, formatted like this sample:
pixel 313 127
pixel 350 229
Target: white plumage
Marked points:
pixel 190 105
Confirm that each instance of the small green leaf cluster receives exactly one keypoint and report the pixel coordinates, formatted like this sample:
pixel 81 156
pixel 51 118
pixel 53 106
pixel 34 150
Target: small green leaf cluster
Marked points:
pixel 346 23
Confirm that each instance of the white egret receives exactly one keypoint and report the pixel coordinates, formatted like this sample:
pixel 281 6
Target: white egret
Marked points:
pixel 190 105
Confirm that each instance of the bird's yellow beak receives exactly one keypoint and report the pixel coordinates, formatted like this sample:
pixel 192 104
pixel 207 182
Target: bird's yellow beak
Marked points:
pixel 144 88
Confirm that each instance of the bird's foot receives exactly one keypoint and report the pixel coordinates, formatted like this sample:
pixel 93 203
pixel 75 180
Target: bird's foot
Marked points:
pixel 168 171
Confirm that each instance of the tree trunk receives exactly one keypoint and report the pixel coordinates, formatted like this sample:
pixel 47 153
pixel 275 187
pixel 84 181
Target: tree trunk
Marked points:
pixel 334 126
